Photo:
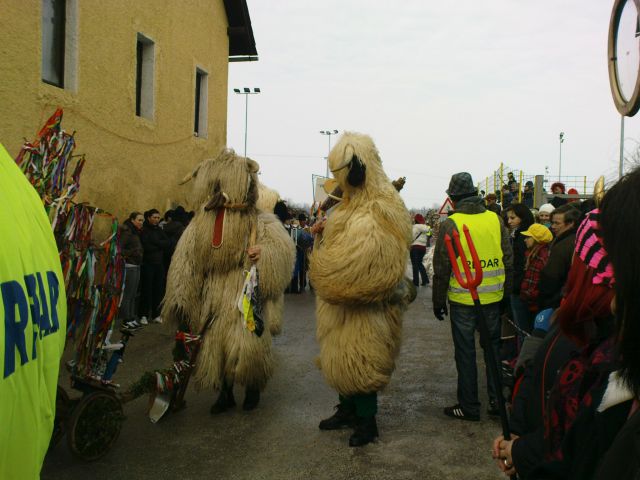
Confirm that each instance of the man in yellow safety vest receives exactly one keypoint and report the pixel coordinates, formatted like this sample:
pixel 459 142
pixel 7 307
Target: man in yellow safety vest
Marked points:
pixel 33 310
pixel 491 240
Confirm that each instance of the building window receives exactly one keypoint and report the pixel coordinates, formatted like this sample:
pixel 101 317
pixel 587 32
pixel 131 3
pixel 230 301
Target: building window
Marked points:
pixel 145 57
pixel 200 122
pixel 53 41
pixel 60 43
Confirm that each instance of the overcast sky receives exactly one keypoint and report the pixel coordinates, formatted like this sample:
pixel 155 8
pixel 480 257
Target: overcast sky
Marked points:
pixel 441 87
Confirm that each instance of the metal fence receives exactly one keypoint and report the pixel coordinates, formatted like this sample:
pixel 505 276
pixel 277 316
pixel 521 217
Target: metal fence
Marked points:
pixel 497 180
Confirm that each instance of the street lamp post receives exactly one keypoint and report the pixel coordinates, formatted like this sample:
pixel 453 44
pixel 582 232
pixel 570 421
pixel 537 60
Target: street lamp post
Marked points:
pixel 328 133
pixel 560 163
pixel 621 166
pixel 246 92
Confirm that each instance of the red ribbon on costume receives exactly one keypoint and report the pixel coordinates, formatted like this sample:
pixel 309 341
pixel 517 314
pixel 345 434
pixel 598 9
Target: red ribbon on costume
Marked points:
pixel 218 228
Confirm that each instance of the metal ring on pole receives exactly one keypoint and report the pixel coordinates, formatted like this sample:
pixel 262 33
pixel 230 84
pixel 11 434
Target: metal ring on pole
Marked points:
pixel 626 107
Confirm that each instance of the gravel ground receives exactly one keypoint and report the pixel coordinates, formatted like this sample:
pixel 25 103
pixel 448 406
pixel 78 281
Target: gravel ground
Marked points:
pixel 281 440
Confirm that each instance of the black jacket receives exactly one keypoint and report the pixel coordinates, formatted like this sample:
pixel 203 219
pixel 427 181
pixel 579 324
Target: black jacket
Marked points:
pixel 174 230
pixel 587 443
pixel 154 242
pixel 527 199
pixel 519 259
pixel 555 272
pixel 622 460
pixel 558 202
pixel 527 415
pixel 130 243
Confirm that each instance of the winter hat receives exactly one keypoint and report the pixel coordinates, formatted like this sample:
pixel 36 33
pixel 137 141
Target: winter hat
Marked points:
pixel 419 218
pixel 572 191
pixel 546 208
pixel 461 184
pixel 590 249
pixel 539 233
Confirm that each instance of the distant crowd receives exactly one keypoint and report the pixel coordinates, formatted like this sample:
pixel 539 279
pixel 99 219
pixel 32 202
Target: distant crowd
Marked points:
pixel 148 241
pixel 147 244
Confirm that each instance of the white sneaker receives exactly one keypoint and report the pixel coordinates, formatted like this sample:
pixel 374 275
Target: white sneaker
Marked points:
pixel 158 319
pixel 143 321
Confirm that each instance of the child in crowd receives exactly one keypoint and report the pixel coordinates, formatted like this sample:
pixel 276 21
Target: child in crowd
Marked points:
pixel 537 239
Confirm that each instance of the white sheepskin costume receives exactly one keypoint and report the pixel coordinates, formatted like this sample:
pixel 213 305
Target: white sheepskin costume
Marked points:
pixel 273 306
pixel 205 281
pixel 357 270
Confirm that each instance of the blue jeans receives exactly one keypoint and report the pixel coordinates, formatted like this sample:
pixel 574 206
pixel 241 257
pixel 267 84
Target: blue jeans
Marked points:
pixel 417 255
pixel 464 324
pixel 522 317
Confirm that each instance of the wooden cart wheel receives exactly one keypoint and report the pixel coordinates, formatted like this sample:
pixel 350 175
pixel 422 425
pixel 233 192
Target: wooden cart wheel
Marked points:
pixel 62 412
pixel 94 425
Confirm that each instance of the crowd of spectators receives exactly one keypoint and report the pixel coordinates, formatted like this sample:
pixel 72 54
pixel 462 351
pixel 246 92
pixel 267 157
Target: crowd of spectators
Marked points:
pixel 147 243
pixel 511 192
pixel 574 407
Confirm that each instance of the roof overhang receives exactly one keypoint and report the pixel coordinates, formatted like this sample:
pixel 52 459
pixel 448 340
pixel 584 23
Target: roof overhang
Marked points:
pixel 242 45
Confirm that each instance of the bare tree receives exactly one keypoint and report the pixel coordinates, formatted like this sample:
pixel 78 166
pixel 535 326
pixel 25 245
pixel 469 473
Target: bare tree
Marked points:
pixel 632 159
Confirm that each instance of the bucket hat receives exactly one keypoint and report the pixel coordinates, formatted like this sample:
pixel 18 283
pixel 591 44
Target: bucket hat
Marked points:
pixel 461 184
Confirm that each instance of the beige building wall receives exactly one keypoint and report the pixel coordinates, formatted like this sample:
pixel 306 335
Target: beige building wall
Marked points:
pixel 133 163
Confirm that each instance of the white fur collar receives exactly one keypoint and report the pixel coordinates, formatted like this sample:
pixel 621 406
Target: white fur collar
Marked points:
pixel 617 392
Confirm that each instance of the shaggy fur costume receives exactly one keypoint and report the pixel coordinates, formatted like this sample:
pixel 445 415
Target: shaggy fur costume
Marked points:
pixel 357 270
pixel 273 306
pixel 205 282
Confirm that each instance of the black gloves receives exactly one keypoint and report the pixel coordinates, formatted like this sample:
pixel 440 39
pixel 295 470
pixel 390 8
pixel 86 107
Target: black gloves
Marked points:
pixel 440 312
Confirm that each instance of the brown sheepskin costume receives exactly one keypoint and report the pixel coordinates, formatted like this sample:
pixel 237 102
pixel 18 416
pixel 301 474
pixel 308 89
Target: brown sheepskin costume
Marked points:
pixel 205 281
pixel 357 270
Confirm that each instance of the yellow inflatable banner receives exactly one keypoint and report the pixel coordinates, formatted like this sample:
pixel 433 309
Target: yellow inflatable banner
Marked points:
pixel 33 314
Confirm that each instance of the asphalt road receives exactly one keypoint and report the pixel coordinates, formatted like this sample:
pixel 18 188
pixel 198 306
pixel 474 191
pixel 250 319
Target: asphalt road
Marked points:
pixel 281 440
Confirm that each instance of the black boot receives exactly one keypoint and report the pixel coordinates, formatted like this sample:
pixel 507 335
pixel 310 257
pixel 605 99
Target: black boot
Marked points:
pixel 344 417
pixel 225 400
pixel 366 430
pixel 251 398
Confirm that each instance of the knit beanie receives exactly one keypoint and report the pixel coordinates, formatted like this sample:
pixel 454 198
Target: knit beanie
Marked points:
pixel 546 208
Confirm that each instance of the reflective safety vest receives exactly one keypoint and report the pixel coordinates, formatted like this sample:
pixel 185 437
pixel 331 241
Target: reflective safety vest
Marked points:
pixel 33 311
pixel 486 235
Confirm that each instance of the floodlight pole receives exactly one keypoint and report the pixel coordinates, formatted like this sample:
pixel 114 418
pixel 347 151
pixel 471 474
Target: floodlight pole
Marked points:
pixel 246 92
pixel 560 162
pixel 328 133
